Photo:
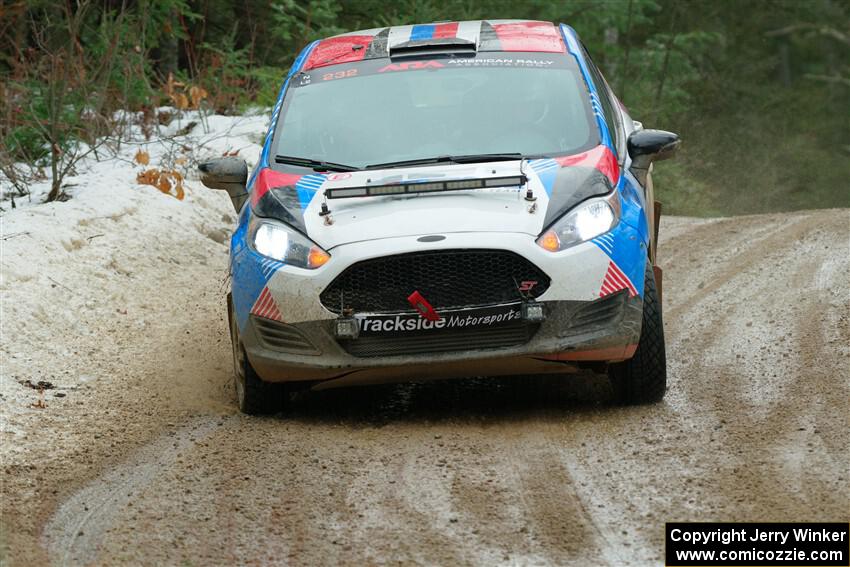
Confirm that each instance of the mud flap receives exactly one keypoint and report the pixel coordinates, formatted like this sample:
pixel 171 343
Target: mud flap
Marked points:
pixel 656 215
pixel 658 275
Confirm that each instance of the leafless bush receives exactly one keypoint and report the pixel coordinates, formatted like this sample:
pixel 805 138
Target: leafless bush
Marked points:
pixel 57 104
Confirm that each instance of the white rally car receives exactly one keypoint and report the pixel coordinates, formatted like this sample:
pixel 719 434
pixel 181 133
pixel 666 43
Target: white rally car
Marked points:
pixel 439 200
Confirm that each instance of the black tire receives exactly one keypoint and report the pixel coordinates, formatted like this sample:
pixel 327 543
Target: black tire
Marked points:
pixel 253 395
pixel 643 378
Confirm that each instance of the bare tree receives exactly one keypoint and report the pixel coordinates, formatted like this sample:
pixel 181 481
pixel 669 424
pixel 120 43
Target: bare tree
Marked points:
pixel 74 88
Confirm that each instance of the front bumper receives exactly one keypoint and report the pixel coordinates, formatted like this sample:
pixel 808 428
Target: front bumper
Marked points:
pixel 581 325
pixel 574 333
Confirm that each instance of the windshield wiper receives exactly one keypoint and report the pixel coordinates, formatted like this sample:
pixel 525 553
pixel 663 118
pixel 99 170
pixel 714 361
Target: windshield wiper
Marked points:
pixel 317 165
pixel 478 158
pixel 470 158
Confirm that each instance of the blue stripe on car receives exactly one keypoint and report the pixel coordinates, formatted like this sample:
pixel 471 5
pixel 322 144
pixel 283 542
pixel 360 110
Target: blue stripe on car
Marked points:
pixel 546 170
pixel 251 271
pixel 622 244
pixel 247 272
pixel 264 155
pixel 307 187
pixel 425 31
pixel 571 40
pixel 605 242
pixel 631 235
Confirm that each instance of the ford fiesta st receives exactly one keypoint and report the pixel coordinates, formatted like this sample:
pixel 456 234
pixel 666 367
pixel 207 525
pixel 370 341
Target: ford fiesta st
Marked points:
pixel 442 200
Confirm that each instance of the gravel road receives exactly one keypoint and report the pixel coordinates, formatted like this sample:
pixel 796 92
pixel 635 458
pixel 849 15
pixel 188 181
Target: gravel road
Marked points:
pixel 148 462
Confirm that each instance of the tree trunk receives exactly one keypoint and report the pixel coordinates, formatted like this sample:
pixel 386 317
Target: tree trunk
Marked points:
pixel 168 53
pixel 784 65
pixel 624 72
pixel 662 75
pixel 56 179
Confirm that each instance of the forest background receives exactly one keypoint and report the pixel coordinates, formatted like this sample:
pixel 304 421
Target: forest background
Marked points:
pixel 759 90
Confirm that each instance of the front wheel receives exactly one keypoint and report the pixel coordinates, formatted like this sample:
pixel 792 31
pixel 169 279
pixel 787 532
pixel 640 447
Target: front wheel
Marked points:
pixel 253 394
pixel 643 378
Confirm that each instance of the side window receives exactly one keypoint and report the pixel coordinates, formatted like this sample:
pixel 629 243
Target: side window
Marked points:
pixel 609 107
pixel 617 115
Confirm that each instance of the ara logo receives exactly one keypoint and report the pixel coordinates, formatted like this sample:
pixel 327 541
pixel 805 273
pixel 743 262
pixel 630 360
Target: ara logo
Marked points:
pixel 425 310
pixel 411 65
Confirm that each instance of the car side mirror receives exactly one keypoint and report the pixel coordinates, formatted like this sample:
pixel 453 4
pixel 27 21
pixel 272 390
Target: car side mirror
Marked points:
pixel 647 146
pixel 228 174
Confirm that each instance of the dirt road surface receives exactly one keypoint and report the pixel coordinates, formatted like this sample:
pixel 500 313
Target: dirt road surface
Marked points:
pixel 146 461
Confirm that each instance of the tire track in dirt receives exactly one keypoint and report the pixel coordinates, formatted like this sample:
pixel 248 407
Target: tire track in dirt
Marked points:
pixel 781 379
pixel 77 528
pixel 566 527
pixel 725 258
pixel 701 484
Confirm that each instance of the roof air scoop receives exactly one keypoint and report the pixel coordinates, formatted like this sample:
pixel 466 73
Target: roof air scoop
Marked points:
pixel 434 46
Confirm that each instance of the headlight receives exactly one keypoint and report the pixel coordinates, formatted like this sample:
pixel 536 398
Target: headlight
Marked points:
pixel 588 220
pixel 278 241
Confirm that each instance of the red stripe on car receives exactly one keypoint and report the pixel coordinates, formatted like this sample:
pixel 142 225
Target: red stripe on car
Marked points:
pixel 601 157
pixel 266 307
pixel 445 30
pixel 530 36
pixel 615 280
pixel 335 50
pixel 269 179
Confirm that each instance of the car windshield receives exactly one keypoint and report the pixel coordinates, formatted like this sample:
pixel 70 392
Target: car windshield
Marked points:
pixel 376 112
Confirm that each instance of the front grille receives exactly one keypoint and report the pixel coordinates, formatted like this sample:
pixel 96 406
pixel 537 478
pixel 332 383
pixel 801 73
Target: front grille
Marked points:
pixel 498 337
pixel 283 337
pixel 446 278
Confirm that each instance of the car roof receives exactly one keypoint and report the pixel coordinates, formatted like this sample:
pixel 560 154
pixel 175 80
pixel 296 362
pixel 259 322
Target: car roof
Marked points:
pixel 484 35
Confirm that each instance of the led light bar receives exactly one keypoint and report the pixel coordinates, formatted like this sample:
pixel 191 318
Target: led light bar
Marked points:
pixel 425 187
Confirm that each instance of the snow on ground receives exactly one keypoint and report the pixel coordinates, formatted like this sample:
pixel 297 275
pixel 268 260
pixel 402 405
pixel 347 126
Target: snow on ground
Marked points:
pixel 64 265
pixel 207 136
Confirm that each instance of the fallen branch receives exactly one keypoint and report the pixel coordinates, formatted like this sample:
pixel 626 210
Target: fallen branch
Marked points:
pixel 62 285
pixel 13 235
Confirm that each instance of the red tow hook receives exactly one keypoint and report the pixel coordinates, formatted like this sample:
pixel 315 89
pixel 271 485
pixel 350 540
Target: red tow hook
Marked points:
pixel 423 307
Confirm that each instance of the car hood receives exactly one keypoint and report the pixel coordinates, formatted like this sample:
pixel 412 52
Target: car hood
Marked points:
pixel 557 185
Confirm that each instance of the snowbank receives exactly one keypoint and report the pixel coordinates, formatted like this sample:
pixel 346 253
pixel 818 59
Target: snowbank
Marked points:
pixel 68 269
